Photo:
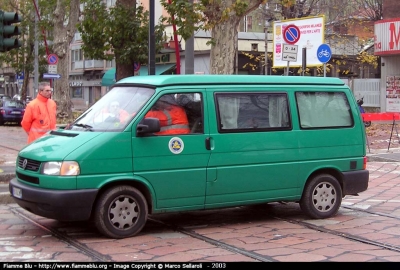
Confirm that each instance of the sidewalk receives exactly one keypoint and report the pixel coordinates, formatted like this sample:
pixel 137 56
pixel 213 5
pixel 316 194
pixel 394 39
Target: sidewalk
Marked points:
pixel 383 155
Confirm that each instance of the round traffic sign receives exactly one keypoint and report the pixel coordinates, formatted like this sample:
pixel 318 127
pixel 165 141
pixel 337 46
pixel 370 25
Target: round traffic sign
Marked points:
pixel 324 53
pixel 136 66
pixel 52 59
pixel 291 34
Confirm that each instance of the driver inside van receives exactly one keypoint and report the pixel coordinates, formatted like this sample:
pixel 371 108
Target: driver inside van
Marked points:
pixel 173 118
pixel 113 113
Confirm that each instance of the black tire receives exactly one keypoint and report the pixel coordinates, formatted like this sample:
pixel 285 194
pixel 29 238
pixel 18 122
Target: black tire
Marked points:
pixel 121 212
pixel 367 123
pixel 321 197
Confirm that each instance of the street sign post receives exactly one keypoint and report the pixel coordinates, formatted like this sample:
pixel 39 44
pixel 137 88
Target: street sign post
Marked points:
pixel 291 34
pixel 52 60
pixel 324 54
pixel 51 76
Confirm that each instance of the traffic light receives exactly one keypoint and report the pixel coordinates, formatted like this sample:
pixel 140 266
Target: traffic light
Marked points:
pixel 8 30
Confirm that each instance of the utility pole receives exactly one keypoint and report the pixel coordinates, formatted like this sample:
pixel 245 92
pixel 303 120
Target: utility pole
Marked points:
pixel 268 19
pixel 36 64
pixel 189 53
pixel 152 41
pixel 267 25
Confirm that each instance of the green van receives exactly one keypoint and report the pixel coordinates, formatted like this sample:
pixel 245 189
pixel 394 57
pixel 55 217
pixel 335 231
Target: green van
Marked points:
pixel 249 140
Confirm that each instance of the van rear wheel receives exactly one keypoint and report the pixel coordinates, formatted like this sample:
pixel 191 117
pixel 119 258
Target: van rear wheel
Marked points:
pixel 121 212
pixel 321 197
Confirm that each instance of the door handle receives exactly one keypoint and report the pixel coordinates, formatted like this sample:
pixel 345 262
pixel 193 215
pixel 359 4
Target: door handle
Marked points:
pixel 208 143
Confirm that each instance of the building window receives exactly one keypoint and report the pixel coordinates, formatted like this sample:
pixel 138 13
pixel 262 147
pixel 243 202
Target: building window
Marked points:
pixel 110 64
pixel 76 55
pixel 249 23
pixel 110 3
pixel 77 92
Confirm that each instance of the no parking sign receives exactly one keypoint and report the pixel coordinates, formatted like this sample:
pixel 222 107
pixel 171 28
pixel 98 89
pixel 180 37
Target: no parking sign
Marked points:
pixel 291 34
pixel 52 59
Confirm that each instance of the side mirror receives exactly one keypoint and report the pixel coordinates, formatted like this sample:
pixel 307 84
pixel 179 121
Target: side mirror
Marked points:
pixel 148 125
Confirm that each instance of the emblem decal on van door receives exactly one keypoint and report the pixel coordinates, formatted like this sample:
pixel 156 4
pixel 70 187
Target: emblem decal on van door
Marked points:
pixel 176 145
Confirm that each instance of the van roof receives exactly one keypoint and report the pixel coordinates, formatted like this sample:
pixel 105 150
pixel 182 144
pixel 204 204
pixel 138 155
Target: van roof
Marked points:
pixel 190 79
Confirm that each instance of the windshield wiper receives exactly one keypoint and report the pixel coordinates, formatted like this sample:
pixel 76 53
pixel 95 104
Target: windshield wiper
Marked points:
pixel 86 127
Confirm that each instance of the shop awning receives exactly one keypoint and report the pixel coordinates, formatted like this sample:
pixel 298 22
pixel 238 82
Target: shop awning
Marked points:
pixel 109 77
pixel 160 69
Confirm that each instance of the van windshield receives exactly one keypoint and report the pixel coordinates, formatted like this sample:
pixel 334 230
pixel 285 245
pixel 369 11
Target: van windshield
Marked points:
pixel 114 110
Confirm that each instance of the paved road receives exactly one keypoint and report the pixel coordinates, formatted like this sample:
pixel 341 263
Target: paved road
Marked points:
pixel 366 229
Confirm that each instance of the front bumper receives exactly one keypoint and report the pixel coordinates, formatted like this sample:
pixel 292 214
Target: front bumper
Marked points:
pixel 63 205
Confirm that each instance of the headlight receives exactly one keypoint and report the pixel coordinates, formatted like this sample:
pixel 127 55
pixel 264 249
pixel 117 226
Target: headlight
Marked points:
pixel 61 168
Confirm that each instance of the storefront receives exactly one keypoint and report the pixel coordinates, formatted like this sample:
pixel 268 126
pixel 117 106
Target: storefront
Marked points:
pixel 387 46
pixel 85 93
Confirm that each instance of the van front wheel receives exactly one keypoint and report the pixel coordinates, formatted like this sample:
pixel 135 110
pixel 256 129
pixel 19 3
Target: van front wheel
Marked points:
pixel 321 197
pixel 121 212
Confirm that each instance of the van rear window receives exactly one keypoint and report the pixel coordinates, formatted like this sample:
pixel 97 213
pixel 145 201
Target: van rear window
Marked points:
pixel 323 110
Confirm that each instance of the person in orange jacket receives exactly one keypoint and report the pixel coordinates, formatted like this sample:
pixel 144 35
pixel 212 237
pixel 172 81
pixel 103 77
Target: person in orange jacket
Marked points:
pixel 113 113
pixel 173 118
pixel 40 114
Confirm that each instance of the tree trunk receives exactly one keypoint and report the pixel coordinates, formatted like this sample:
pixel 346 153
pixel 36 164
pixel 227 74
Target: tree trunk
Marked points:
pixel 223 52
pixel 124 70
pixel 62 36
pixel 225 33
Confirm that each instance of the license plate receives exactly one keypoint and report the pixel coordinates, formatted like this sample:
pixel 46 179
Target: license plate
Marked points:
pixel 15 112
pixel 17 192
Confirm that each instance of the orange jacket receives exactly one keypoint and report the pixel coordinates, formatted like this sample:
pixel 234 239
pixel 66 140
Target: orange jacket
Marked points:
pixel 122 115
pixel 172 120
pixel 39 117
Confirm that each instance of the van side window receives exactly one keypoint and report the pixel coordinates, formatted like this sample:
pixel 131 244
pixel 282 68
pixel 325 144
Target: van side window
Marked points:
pixel 323 110
pixel 246 112
pixel 192 103
pixel 178 113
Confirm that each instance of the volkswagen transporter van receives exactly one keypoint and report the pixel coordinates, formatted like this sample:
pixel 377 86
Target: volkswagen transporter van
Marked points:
pixel 247 140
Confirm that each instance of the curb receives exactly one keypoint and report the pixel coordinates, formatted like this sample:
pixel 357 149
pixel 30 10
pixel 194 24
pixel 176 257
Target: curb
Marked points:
pixel 5 198
pixel 6 177
pixel 380 159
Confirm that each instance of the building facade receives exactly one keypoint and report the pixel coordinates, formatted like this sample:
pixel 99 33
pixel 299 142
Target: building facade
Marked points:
pixel 387 46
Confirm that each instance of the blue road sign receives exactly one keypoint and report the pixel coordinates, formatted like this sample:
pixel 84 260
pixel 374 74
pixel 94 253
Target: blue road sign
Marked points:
pixel 51 76
pixel 291 34
pixel 20 76
pixel 136 66
pixel 324 53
